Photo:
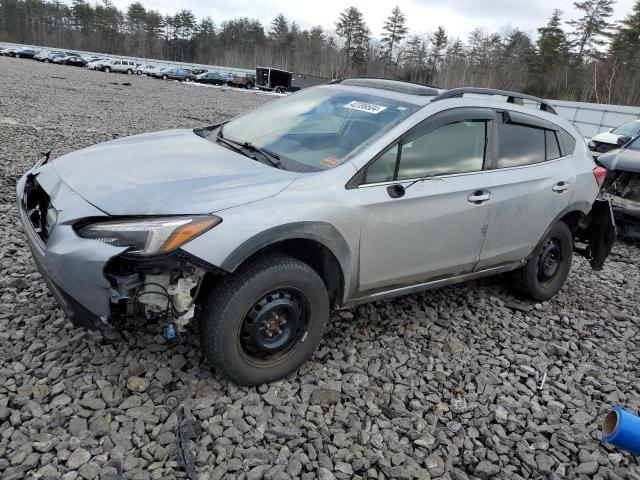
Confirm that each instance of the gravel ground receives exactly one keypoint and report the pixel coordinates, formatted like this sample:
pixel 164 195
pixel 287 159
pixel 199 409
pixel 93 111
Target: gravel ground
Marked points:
pixel 444 384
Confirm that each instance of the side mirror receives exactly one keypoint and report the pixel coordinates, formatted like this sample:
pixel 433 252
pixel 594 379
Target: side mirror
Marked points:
pixel 623 140
pixel 396 191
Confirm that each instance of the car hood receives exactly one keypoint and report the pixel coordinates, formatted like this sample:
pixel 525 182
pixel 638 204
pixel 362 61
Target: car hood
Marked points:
pixel 606 137
pixel 167 173
pixel 622 159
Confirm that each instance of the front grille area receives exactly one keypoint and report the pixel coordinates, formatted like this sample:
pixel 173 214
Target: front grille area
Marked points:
pixel 38 208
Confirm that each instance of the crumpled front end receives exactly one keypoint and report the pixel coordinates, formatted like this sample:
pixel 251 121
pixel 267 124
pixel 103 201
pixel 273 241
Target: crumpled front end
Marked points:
pixel 96 283
pixel 71 266
pixel 622 190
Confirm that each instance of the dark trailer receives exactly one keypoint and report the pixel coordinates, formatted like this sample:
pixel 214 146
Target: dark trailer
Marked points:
pixel 281 81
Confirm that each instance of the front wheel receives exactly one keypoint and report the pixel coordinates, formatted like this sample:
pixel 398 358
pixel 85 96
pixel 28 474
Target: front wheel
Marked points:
pixel 107 69
pixel 138 72
pixel 249 86
pixel 266 320
pixel 548 267
pixel 164 77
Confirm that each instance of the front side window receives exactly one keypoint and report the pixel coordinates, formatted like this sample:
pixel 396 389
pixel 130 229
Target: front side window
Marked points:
pixel 318 128
pixel 455 148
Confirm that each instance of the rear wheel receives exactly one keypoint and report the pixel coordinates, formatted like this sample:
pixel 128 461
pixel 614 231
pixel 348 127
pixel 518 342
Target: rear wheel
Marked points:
pixel 249 85
pixel 548 267
pixel 139 72
pixel 46 60
pixel 107 69
pixel 129 72
pixel 266 320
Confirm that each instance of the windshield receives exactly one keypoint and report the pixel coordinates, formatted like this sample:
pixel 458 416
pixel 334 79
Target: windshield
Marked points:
pixel 635 145
pixel 318 128
pixel 631 128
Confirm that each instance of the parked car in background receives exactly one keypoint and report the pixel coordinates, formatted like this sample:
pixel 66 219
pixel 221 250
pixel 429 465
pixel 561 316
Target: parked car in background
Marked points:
pixel 98 63
pixel 606 141
pixel 120 66
pixel 245 80
pixel 26 53
pixel 62 59
pixel 158 73
pixel 9 52
pixel 147 69
pixel 52 56
pixel 42 54
pixel 180 74
pixel 254 229
pixel 622 185
pixel 76 61
pixel 214 78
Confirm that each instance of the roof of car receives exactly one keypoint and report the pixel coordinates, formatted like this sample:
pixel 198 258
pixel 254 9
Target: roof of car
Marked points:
pixel 392 85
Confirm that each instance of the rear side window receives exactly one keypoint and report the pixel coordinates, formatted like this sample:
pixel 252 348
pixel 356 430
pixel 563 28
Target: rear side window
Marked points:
pixel 552 146
pixel 520 145
pixel 568 142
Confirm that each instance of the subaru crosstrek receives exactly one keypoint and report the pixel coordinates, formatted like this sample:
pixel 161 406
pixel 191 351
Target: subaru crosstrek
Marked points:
pixel 352 192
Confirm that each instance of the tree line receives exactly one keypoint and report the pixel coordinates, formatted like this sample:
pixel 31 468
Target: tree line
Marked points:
pixel 588 58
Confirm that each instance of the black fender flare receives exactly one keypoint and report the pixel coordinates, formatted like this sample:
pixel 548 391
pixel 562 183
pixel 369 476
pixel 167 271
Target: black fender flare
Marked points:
pixel 322 232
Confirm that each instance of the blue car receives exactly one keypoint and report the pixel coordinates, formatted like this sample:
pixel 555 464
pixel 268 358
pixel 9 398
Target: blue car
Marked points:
pixel 26 53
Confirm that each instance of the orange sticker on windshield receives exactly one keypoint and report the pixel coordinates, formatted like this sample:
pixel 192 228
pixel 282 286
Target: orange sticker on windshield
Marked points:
pixel 329 162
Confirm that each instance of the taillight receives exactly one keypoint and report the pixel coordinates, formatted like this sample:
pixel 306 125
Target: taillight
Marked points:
pixel 600 173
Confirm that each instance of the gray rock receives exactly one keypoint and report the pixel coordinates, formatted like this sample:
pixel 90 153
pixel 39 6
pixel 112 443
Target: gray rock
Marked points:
pixel 486 469
pixel 324 396
pixel 78 458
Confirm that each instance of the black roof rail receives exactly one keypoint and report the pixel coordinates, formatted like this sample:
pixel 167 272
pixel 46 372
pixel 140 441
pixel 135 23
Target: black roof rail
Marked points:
pixel 511 96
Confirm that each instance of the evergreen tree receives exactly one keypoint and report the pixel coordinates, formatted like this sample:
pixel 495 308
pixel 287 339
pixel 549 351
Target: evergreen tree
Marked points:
pixel 353 30
pixel 625 44
pixel 394 30
pixel 553 46
pixel 593 27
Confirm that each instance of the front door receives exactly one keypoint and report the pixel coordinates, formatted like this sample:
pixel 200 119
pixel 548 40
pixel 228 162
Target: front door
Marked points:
pixel 424 202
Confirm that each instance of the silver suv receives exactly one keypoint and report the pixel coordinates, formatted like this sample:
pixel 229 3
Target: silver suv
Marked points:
pixel 121 66
pixel 357 191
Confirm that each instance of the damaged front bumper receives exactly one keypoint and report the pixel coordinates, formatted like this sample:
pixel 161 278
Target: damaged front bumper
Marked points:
pixel 97 283
pixel 71 266
pixel 622 191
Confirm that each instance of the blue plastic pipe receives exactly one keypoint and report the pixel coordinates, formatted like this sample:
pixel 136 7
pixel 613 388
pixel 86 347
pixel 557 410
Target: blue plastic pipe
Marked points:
pixel 622 429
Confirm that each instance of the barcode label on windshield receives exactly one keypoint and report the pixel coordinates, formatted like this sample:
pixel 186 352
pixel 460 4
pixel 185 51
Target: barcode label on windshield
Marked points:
pixel 365 107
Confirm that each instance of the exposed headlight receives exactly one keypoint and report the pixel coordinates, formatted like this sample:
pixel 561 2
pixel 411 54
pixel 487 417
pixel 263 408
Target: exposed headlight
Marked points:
pixel 592 144
pixel 149 236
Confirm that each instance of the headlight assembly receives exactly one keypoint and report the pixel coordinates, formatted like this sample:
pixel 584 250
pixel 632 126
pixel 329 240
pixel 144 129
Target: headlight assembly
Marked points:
pixel 149 236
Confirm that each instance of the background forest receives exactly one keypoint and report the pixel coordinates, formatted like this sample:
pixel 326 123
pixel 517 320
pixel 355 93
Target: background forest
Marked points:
pixel 588 58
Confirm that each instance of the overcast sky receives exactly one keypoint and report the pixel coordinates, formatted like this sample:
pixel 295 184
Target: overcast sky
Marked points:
pixel 458 17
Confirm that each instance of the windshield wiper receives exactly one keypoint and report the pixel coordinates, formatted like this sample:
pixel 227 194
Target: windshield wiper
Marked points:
pixel 239 146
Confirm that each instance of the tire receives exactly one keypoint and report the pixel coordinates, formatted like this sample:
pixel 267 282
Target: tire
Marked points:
pixel 164 77
pixel 46 60
pixel 107 69
pixel 249 86
pixel 187 79
pixel 250 314
pixel 139 72
pixel 548 267
pixel 129 71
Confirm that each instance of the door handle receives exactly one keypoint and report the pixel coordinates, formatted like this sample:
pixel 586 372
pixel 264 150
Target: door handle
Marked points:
pixel 479 196
pixel 561 187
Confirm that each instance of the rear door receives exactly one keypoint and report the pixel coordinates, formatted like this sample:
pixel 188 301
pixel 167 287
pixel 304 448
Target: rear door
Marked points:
pixel 531 184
